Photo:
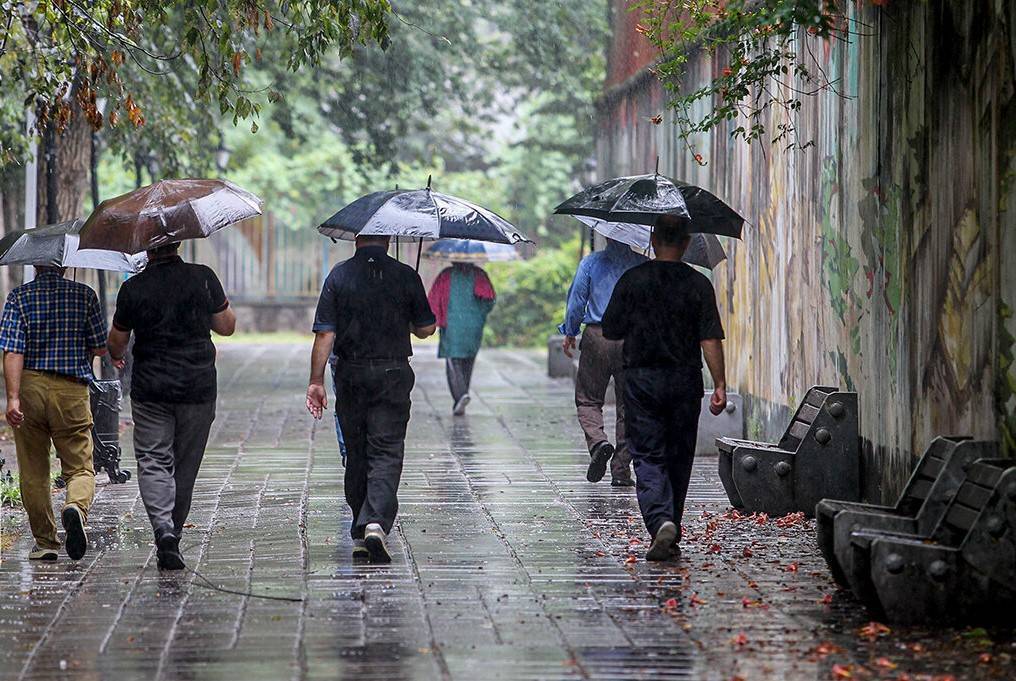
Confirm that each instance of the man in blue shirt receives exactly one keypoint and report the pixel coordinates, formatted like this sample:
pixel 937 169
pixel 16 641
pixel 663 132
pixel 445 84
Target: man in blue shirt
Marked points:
pixel 600 358
pixel 50 331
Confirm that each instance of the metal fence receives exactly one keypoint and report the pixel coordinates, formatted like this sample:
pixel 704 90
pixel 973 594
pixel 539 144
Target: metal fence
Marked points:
pixel 258 261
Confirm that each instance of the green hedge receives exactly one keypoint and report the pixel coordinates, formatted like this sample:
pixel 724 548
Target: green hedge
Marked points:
pixel 531 297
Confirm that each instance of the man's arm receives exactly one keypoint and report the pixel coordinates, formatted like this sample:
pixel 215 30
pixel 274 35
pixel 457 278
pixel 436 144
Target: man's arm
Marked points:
pixel 712 350
pixel 14 364
pixel 117 346
pixel 317 397
pixel 575 311
pixel 224 322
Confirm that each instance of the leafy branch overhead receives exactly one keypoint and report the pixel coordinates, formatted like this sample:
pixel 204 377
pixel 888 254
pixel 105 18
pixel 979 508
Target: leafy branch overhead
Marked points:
pixel 773 55
pixel 106 59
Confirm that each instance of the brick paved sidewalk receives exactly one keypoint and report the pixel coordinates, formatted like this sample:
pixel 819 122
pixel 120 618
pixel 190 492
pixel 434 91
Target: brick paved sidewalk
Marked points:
pixel 507 564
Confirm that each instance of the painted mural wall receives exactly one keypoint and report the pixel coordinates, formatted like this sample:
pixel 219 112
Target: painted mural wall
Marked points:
pixel 883 259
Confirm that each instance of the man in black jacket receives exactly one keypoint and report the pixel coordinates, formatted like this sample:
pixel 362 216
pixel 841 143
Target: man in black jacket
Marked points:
pixel 665 312
pixel 368 307
pixel 171 307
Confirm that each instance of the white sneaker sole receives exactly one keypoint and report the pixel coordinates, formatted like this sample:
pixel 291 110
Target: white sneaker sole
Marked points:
pixel 663 542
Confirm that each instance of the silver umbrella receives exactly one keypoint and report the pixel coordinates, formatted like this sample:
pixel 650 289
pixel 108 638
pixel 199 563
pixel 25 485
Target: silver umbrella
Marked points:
pixel 704 250
pixel 58 246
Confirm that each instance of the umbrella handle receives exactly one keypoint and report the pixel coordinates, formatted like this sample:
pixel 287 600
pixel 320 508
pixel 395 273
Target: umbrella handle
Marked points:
pixel 419 252
pixel 657 171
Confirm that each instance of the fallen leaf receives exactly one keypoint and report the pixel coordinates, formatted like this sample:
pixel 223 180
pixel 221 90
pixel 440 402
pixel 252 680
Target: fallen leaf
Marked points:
pixel 746 552
pixel 600 554
pixel 740 640
pixel 695 600
pixel 670 604
pixel 873 630
pixel 791 568
pixel 630 560
pixel 984 658
pixel 885 663
pixel 826 600
pixel 715 548
pixel 842 672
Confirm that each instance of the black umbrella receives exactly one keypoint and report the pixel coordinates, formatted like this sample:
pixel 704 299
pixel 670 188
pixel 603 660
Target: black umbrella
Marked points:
pixel 642 199
pixel 420 214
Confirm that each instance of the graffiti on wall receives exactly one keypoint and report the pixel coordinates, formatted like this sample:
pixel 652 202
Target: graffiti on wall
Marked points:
pixel 876 260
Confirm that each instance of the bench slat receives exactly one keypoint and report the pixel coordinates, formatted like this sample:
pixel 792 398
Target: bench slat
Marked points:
pixel 815 397
pixel 807 413
pixel 920 489
pixel 961 517
pixel 973 495
pixel 799 429
pixel 931 467
pixel 984 474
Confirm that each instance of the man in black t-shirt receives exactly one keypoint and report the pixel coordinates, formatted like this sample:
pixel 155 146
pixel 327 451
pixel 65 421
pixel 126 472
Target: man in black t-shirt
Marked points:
pixel 171 307
pixel 665 312
pixel 368 307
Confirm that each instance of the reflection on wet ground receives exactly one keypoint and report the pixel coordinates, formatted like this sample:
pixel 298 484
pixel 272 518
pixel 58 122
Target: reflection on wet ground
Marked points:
pixel 507 564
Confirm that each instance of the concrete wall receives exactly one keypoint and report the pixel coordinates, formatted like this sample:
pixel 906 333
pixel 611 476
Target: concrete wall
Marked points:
pixel 883 259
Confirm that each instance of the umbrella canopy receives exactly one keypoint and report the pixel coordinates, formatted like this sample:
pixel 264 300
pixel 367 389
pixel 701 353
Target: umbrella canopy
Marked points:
pixel 421 214
pixel 58 246
pixel 465 250
pixel 704 250
pixel 642 199
pixel 166 212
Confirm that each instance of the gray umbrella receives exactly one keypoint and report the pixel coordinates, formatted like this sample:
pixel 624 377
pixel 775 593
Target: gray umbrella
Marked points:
pixel 57 246
pixel 704 250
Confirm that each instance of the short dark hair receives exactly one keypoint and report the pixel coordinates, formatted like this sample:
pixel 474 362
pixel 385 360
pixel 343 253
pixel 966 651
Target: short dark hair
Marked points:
pixel 164 250
pixel 672 230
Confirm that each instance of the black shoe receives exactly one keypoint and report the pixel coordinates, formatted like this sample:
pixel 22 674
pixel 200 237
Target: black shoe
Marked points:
pixel 168 552
pixel 76 542
pixel 663 542
pixel 599 457
pixel 622 482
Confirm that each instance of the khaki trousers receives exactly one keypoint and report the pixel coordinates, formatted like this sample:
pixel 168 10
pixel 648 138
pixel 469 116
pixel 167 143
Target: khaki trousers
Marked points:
pixel 599 360
pixel 58 413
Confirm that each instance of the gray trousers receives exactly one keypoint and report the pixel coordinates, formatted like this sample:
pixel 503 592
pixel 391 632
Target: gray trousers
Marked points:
pixel 599 360
pixel 169 443
pixel 459 372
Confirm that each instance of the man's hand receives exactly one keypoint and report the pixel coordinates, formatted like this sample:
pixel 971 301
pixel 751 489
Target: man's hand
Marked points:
pixel 15 417
pixel 317 399
pixel 120 364
pixel 718 402
pixel 568 346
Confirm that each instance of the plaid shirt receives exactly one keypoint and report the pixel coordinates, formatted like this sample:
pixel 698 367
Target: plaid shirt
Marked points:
pixel 54 323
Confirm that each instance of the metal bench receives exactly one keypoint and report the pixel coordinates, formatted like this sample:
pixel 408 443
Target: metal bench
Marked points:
pixel 932 485
pixel 818 457
pixel 964 571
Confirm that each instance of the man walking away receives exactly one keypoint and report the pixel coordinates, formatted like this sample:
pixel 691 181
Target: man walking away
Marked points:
pixel 51 330
pixel 368 306
pixel 600 358
pixel 171 307
pixel 665 312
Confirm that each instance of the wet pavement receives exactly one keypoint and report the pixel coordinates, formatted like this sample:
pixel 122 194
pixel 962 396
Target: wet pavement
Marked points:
pixel 507 564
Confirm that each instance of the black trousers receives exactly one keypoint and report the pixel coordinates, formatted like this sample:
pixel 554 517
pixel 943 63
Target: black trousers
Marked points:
pixel 662 410
pixel 459 372
pixel 372 403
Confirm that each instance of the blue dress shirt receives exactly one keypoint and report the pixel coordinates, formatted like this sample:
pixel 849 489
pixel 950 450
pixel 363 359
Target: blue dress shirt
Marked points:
pixel 594 284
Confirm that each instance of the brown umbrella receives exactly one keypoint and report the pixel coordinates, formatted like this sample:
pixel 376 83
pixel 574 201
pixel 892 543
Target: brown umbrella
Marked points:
pixel 166 212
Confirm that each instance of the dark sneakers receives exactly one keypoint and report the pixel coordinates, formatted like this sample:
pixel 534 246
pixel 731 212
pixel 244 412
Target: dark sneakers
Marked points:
pixel 599 458
pixel 168 552
pixel 663 542
pixel 76 542
pixel 622 482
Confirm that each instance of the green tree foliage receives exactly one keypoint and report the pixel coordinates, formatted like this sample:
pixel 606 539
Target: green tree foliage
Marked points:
pixel 530 296
pixel 773 50
pixel 161 59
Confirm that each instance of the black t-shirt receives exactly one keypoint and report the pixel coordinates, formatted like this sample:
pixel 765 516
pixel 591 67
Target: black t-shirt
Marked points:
pixel 370 301
pixel 662 311
pixel 169 307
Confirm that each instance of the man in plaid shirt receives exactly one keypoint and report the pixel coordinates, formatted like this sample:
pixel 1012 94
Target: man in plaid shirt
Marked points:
pixel 51 330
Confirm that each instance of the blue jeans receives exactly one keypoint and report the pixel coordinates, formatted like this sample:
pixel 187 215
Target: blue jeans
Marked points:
pixel 338 428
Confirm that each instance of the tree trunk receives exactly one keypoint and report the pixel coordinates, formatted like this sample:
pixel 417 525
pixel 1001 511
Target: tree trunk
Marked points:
pixel 73 150
pixel 12 216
